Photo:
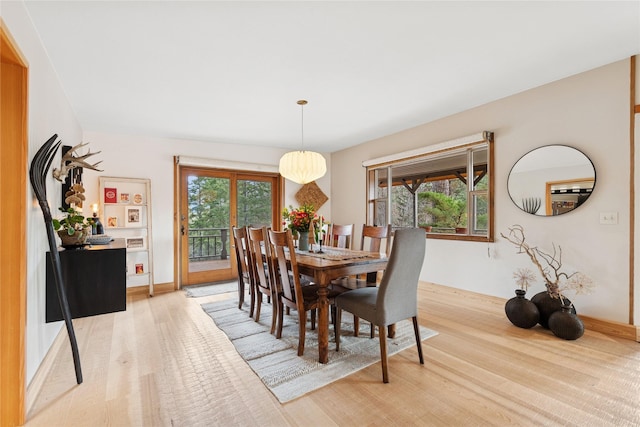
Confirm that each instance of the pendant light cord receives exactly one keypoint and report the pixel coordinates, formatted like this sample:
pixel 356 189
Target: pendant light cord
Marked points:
pixel 302 103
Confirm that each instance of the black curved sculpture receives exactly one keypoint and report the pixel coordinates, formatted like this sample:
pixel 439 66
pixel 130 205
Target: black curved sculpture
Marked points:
pixel 38 174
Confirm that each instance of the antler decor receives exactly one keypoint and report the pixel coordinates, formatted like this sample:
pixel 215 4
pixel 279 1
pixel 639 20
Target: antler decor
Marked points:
pixel 37 174
pixel 69 161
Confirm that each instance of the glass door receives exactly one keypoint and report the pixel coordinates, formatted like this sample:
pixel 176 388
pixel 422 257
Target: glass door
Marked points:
pixel 212 201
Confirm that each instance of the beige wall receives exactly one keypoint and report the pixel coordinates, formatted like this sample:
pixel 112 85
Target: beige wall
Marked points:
pixel 49 113
pixel 589 111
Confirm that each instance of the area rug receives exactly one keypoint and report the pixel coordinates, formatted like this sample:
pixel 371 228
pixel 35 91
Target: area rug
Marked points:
pixel 276 362
pixel 197 291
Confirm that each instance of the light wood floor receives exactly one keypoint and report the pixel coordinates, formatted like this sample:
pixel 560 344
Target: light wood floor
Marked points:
pixel 163 362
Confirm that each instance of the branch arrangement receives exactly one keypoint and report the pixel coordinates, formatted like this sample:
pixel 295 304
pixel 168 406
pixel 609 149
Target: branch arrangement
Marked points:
pixel 556 281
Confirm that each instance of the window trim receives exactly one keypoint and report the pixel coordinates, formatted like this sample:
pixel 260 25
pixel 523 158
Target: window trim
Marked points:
pixel 424 153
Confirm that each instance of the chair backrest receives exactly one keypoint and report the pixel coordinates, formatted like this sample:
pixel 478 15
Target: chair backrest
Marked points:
pixel 289 278
pixel 259 247
pixel 241 243
pixel 375 235
pixel 397 295
pixel 341 236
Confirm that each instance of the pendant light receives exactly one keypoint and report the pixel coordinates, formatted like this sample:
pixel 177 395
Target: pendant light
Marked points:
pixel 302 166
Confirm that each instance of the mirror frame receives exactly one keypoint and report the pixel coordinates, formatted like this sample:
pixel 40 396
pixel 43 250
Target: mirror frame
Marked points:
pixel 581 184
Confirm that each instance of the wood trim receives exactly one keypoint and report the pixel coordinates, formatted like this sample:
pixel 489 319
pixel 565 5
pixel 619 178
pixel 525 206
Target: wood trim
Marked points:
pixel 157 288
pixel 13 249
pixel 609 327
pixel 632 190
pixel 637 109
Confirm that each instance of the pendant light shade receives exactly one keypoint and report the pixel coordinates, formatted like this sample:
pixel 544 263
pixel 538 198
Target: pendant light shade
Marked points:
pixel 302 166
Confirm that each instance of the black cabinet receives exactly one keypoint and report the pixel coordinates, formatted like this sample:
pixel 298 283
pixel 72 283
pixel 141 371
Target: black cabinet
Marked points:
pixel 95 279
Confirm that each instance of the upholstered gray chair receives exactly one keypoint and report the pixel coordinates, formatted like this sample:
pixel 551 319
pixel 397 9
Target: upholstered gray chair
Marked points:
pixel 396 297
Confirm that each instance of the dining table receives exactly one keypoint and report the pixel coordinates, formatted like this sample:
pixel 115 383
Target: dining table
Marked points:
pixel 327 264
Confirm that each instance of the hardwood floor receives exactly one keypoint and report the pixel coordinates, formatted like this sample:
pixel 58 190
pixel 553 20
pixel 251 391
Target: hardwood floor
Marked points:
pixel 163 362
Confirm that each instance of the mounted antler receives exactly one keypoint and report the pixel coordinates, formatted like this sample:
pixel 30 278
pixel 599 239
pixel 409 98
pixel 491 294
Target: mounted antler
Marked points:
pixel 69 161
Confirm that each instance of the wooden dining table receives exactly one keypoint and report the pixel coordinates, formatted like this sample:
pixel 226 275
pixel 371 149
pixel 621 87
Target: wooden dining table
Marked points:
pixel 331 264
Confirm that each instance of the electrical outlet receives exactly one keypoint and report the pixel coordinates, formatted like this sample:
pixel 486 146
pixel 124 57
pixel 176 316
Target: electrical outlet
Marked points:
pixel 609 218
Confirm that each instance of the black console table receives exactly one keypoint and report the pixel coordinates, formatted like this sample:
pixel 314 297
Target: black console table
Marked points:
pixel 95 279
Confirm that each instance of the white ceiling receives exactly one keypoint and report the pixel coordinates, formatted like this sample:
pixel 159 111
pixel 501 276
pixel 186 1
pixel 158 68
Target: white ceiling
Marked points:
pixel 233 71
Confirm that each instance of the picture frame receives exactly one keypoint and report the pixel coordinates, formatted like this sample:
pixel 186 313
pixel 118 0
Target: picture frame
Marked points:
pixel 139 268
pixel 112 221
pixel 135 242
pixel 133 216
pixel 125 198
pixel 110 195
pixel 138 198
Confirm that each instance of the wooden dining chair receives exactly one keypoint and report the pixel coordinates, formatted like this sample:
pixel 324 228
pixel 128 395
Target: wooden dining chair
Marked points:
pixel 340 236
pixel 264 283
pixel 293 295
pixel 396 299
pixel 243 262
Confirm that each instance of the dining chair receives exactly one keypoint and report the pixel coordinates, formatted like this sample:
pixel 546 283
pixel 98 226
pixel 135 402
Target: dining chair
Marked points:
pixel 264 283
pixel 371 240
pixel 396 298
pixel 245 274
pixel 340 236
pixel 293 295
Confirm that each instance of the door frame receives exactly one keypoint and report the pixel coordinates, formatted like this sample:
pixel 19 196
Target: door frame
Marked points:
pixel 240 169
pixel 13 249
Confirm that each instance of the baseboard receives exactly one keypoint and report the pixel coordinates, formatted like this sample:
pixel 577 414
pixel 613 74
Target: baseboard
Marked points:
pixel 609 327
pixel 38 380
pixel 157 289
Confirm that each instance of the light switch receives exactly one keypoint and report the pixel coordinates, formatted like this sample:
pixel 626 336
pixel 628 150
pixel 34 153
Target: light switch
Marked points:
pixel 610 218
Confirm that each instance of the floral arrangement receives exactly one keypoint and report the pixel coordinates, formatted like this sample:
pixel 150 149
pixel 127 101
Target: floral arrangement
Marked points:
pixel 300 219
pixel 549 265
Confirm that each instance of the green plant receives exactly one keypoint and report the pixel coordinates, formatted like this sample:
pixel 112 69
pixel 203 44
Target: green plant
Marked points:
pixel 444 211
pixel 72 222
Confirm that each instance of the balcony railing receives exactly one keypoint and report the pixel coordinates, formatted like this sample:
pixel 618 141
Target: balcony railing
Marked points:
pixel 208 243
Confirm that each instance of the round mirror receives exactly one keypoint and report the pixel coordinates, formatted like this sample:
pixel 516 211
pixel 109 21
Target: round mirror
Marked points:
pixel 551 180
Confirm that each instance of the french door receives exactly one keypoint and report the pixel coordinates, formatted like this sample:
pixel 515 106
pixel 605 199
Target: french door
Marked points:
pixel 212 201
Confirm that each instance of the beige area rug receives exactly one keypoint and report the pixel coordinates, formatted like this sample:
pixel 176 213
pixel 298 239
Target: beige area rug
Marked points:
pixel 197 291
pixel 276 362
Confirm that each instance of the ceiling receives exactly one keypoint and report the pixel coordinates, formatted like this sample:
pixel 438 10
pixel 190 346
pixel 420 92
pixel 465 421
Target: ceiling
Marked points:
pixel 232 71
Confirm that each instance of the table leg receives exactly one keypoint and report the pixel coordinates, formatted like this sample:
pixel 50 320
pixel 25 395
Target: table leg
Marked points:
pixel 323 325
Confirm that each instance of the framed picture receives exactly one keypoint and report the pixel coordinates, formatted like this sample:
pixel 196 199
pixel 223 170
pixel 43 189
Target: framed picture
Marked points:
pixel 110 195
pixel 139 268
pixel 133 216
pixel 124 198
pixel 112 221
pixel 138 199
pixel 135 242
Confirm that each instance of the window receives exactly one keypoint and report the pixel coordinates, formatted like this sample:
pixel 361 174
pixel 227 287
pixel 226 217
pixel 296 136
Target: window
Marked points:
pixel 446 188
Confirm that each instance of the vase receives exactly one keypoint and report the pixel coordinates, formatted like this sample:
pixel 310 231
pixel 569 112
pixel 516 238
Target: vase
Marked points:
pixel 565 324
pixel 522 312
pixel 79 238
pixel 547 305
pixel 303 242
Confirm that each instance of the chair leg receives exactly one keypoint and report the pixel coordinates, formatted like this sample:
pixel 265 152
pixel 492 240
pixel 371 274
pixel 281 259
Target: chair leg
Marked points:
pixel 302 328
pixel 280 319
pixel 313 319
pixel 372 334
pixel 258 305
pixel 240 293
pixel 382 335
pixel 275 314
pixel 336 326
pixel 356 325
pixel 252 292
pixel 416 329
